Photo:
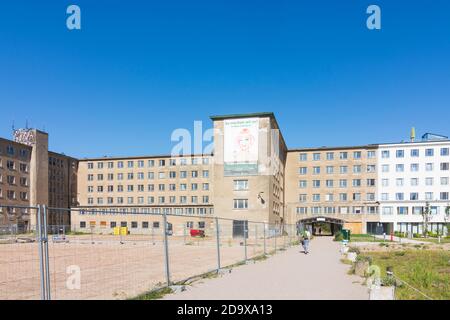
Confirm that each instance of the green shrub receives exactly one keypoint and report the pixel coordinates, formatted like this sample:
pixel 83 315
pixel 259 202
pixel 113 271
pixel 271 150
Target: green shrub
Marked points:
pixel 339 236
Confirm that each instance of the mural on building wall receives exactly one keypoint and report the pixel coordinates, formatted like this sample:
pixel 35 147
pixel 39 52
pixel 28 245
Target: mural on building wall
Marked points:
pixel 241 146
pixel 24 136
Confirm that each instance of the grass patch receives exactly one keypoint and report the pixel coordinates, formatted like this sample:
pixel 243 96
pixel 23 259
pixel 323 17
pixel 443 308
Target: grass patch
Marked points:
pixel 154 295
pixel 426 270
pixel 364 238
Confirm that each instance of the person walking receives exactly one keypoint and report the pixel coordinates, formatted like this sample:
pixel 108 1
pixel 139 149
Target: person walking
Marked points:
pixel 305 241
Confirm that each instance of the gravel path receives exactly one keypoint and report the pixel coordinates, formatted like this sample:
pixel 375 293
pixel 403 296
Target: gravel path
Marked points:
pixel 289 275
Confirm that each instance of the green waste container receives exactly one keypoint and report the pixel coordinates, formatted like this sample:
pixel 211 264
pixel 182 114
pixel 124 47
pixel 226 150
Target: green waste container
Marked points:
pixel 346 234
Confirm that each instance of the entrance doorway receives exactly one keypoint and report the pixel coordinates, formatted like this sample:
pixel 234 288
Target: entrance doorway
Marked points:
pixel 321 226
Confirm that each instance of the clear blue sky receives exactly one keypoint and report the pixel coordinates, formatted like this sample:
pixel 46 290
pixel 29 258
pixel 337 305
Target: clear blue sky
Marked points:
pixel 139 69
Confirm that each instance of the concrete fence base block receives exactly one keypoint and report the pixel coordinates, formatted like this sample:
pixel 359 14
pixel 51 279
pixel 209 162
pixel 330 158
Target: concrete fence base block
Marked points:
pixel 222 272
pixel 352 256
pixel 382 293
pixel 178 289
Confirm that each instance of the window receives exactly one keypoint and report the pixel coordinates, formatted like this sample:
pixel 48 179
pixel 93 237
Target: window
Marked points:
pixel 90 165
pixel 156 225
pixel 343 197
pixel 356 182
pixel 357 155
pixel 357 169
pixel 371 168
pixel 444 166
pixel 343 155
pixel 429 181
pixel 330 183
pixel 399 196
pixel 413 196
pixel 130 164
pixel 205 173
pixel 402 210
pixel 120 164
pixel 194 186
pixel 316 183
pixel 240 185
pixel 205 161
pixel 371 154
pixel 414 153
pixel 414 182
pixel 343 183
pixel 429 167
pixel 385 196
pixel 414 167
pixel 150 163
pixel 370 196
pixel 385 182
pixel 400 153
pixel 302 210
pixel 444 151
pixel 82 224
pixel 399 182
pixel 303 170
pixel 240 204
pixel 161 175
pixel 371 182
pixel 316 197
pixel 357 197
pixel 385 154
pixel 194 174
pixel 330 156
pixel 428 195
pixel 444 181
pixel 316 156
pixel 302 198
pixel 387 210
pixel 400 168
pixel 162 163
pixel 316 170
pixel 330 169
pixel 444 196
pixel 385 168
pixel 343 169
pixel 303 156
pixel 329 197
pixel 303 184
pixel 429 152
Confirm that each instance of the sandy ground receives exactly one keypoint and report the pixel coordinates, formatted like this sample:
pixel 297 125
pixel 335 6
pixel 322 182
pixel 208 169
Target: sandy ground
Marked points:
pixel 290 275
pixel 111 270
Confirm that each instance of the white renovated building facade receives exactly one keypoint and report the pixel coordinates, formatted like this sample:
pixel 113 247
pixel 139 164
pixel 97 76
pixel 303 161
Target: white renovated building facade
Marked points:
pixel 410 175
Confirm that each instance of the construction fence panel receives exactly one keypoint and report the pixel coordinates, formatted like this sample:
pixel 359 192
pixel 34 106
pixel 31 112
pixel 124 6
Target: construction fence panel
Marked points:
pixel 20 250
pixel 105 255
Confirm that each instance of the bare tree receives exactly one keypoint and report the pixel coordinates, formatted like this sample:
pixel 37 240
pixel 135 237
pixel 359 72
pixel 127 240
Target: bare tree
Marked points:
pixel 426 216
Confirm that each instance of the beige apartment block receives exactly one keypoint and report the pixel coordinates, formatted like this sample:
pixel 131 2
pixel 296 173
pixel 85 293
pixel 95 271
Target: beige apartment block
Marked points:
pixel 146 185
pixel 338 183
pixel 250 190
pixel 15 161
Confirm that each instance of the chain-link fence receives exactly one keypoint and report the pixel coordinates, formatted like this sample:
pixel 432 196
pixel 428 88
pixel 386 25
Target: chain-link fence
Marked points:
pixel 114 254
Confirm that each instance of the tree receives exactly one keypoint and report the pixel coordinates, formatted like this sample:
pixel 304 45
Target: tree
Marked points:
pixel 426 216
pixel 447 217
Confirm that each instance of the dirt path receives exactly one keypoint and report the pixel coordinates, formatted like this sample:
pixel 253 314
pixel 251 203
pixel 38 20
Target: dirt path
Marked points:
pixel 289 275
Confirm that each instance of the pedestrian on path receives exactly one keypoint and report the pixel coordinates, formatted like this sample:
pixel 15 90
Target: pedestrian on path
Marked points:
pixel 305 241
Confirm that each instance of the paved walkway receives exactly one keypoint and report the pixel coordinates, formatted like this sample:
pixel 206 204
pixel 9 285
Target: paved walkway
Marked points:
pixel 289 275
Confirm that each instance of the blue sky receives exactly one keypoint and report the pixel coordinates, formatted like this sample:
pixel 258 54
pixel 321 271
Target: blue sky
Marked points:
pixel 140 69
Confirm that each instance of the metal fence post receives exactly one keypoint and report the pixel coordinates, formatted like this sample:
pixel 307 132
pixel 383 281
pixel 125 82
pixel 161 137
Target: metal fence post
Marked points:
pixel 264 234
pixel 245 240
pixel 40 251
pixel 46 255
pixel 218 244
pixel 166 249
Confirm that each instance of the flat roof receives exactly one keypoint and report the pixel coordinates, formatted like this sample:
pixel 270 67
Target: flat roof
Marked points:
pixel 106 158
pixel 244 115
pixel 325 148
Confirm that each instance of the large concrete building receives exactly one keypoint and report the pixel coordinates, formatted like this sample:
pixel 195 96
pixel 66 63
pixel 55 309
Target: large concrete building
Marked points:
pixel 30 175
pixel 251 175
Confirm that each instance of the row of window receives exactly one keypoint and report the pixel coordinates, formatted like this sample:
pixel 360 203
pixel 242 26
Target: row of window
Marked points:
pixel 12 195
pixel 414 182
pixel 150 188
pixel 330 197
pixel 124 211
pixel 11 151
pixel 356 169
pixel 414 196
pixel 415 167
pixel 12 180
pixel 135 224
pixel 150 200
pixel 11 165
pixel 339 210
pixel 343 183
pixel 331 155
pixel 414 153
pixel 404 210
pixel 150 163
pixel 150 175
